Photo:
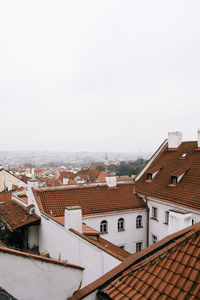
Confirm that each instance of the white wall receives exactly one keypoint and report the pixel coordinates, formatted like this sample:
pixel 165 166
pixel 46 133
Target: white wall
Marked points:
pixel 28 278
pixel 159 228
pixel 6 179
pixel 57 240
pixel 129 236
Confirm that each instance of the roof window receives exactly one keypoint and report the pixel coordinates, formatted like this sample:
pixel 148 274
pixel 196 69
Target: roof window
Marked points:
pixel 152 173
pixel 183 156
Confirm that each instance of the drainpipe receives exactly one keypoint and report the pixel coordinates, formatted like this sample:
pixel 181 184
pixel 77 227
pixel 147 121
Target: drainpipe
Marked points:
pixel 147 220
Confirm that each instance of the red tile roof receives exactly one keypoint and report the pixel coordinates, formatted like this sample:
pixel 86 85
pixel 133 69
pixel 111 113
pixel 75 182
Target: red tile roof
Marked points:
pixel 186 192
pixel 168 269
pixel 14 215
pixel 172 273
pixel 92 199
pixel 105 245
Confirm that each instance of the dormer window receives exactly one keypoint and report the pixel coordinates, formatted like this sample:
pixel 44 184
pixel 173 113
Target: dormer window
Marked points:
pixel 149 176
pixel 152 172
pixel 174 179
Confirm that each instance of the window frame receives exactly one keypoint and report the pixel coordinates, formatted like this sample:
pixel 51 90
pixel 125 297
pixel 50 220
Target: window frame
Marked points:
pixel 104 226
pixel 166 217
pixel 121 224
pixel 138 246
pixel 154 215
pixel 154 238
pixel 139 221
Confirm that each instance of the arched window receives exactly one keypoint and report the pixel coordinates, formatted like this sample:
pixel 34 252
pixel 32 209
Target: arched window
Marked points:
pixel 120 224
pixel 104 226
pixel 139 221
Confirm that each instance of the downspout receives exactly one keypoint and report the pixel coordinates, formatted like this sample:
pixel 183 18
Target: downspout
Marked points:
pixel 147 220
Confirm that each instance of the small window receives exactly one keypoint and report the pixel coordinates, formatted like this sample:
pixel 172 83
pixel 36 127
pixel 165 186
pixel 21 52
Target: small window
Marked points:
pixel 104 226
pixel 166 217
pixel 139 246
pixel 154 239
pixel 193 222
pixel 122 247
pixel 174 179
pixel 120 224
pixel 155 213
pixel 139 221
pixel 149 176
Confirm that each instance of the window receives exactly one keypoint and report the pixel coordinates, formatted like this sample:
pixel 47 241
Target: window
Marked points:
pixel 174 179
pixel 192 221
pixel 120 224
pixel 154 239
pixel 166 217
pixel 149 176
pixel 104 226
pixel 154 213
pixel 139 246
pixel 122 247
pixel 139 221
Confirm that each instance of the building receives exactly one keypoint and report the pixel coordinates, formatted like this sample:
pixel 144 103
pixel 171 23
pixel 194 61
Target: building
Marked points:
pixel 169 185
pixel 168 269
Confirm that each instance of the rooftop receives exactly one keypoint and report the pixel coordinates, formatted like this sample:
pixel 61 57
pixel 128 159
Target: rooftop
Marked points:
pixel 186 192
pixel 92 199
pixel 169 269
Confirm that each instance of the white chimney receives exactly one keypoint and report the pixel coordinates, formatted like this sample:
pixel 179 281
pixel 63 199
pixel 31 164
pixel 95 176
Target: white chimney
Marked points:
pixel 111 181
pixel 198 138
pixel 73 218
pixel 174 139
pixel 65 180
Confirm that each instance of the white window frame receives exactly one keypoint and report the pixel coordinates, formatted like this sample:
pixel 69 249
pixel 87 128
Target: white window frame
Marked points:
pixel 139 221
pixel 138 246
pixel 154 215
pixel 104 226
pixel 121 224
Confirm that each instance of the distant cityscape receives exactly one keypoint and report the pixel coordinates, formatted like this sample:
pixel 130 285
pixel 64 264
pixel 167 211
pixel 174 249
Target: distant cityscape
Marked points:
pixel 13 159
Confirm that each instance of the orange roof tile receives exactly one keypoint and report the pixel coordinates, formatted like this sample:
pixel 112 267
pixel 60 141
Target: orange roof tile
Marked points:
pixel 14 215
pixel 186 192
pixel 168 269
pixel 92 199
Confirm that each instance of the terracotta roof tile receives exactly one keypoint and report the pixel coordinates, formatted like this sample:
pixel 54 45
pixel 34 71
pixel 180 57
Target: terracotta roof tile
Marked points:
pixel 149 273
pixel 92 199
pixel 14 215
pixel 186 192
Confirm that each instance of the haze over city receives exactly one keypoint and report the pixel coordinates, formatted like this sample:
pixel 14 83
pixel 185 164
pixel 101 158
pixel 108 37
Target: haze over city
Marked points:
pixel 98 75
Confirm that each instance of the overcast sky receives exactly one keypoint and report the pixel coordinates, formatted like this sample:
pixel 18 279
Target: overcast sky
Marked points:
pixel 98 75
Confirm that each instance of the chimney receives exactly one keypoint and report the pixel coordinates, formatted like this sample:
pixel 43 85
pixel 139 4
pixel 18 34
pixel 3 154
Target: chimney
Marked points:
pixel 174 139
pixel 111 181
pixel 73 218
pixel 198 138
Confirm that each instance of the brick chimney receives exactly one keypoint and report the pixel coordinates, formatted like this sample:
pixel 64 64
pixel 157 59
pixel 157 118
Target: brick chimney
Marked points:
pixel 73 218
pixel 174 139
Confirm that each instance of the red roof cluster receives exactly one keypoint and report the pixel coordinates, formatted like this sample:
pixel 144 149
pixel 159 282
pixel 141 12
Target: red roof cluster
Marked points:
pixel 92 199
pixel 169 269
pixel 174 163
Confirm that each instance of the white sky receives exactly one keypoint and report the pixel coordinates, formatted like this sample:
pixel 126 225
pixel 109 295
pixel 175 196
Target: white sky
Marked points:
pixel 98 75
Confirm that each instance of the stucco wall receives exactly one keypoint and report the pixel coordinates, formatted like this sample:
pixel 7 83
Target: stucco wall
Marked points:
pixel 129 236
pixel 6 178
pixel 158 227
pixel 27 278
pixel 68 246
